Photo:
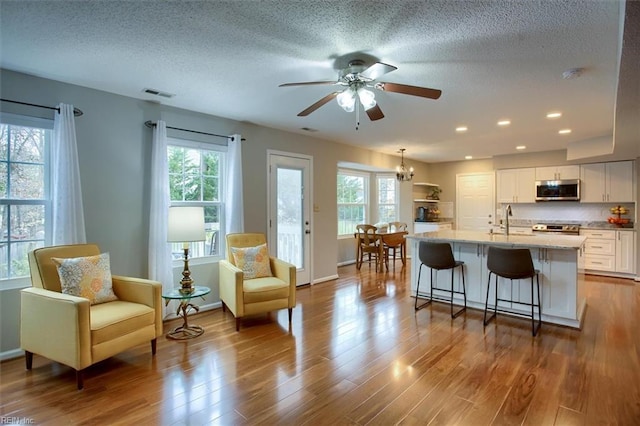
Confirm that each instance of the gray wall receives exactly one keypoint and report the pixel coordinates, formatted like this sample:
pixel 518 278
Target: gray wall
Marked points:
pixel 114 149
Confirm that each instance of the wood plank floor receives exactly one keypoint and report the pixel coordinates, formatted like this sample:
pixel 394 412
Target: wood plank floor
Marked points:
pixel 358 354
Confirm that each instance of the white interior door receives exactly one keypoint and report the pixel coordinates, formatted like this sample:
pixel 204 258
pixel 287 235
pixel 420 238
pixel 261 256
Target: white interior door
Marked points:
pixel 475 201
pixel 290 211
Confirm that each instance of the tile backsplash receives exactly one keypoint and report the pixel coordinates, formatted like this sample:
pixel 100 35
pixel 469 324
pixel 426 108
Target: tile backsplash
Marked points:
pixel 565 212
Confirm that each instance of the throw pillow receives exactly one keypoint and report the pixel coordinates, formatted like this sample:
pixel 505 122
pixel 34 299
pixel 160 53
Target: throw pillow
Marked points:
pixel 88 277
pixel 254 261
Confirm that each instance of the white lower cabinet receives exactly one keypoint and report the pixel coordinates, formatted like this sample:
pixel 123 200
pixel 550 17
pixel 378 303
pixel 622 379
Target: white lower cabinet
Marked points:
pixel 626 252
pixel 475 262
pixel 560 290
pixel 609 251
pixel 430 226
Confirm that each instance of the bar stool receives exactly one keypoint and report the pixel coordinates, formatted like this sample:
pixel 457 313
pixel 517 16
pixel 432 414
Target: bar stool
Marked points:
pixel 514 264
pixel 438 256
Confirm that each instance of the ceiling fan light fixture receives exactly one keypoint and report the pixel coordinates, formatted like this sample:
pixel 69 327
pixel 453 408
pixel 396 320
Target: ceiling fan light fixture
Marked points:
pixel 402 173
pixel 367 98
pixel 347 100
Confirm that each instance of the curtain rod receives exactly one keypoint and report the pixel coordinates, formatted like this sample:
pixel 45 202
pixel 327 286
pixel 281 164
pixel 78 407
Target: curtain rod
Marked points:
pixel 76 112
pixel 151 124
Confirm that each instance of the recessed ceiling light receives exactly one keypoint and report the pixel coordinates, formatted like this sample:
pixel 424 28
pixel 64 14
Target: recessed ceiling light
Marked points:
pixel 504 122
pixel 468 157
pixel 461 129
pixel 521 147
pixel 554 115
pixel 572 73
pixel 156 92
pixel 564 131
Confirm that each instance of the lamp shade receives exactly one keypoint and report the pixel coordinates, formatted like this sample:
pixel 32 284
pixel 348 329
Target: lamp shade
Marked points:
pixel 185 224
pixel 367 98
pixel 347 99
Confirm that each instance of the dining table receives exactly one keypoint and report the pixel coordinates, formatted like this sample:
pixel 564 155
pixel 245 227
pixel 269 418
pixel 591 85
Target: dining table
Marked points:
pixel 390 239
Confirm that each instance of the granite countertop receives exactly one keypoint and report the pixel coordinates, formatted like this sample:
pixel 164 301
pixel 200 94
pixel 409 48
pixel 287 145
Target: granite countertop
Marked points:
pixel 606 225
pixel 584 225
pixel 441 220
pixel 566 242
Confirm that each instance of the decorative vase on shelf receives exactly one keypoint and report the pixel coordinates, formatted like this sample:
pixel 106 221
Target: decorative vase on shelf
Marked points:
pixel 435 194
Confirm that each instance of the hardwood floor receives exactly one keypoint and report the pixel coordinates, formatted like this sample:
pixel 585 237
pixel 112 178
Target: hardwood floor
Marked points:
pixel 357 354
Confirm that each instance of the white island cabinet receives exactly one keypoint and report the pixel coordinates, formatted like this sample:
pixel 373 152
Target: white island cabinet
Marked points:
pixel 556 257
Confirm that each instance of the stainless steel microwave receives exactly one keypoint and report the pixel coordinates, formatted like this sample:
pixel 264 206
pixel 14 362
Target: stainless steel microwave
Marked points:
pixel 558 190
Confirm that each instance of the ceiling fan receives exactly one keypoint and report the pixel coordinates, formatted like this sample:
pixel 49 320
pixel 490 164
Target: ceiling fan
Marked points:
pixel 358 78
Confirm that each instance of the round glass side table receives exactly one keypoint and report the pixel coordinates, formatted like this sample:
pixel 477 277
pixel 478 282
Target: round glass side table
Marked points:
pixel 185 331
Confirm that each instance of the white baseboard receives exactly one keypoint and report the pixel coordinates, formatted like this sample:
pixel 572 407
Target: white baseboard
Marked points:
pixel 323 279
pixel 11 354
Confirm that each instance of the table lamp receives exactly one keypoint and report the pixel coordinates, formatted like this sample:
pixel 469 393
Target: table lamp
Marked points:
pixel 186 224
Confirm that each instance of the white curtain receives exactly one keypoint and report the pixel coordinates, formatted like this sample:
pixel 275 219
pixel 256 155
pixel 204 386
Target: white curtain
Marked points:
pixel 159 249
pixel 234 205
pixel 66 192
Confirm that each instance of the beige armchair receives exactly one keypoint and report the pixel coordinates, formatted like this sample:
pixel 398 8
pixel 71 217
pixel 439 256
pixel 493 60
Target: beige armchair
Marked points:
pixel 69 330
pixel 258 295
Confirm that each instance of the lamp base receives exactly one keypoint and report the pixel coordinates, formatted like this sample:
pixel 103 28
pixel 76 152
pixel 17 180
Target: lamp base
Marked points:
pixel 186 290
pixel 186 287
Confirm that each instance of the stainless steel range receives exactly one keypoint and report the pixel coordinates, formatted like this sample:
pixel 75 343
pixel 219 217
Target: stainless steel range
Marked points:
pixel 565 229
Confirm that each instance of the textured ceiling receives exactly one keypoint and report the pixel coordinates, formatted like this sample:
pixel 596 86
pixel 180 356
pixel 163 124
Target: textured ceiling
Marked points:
pixel 491 59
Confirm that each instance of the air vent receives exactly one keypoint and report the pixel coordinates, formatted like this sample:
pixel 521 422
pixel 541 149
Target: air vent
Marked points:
pixel 158 93
pixel 308 129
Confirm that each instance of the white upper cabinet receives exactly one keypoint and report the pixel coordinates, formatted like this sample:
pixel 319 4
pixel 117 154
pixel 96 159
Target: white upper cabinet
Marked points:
pixel 558 172
pixel 607 182
pixel 516 185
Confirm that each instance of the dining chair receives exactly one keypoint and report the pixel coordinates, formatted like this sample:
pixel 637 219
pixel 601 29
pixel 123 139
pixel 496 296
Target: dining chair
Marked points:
pixel 367 242
pixel 397 243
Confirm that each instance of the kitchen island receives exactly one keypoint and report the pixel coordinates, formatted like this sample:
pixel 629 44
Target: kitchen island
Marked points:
pixel 555 256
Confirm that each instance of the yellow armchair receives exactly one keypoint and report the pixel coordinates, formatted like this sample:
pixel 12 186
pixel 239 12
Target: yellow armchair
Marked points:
pixel 258 295
pixel 69 330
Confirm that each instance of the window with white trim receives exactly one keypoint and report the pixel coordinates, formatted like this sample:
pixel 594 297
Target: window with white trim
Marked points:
pixel 355 203
pixel 196 178
pixel 353 200
pixel 387 190
pixel 25 204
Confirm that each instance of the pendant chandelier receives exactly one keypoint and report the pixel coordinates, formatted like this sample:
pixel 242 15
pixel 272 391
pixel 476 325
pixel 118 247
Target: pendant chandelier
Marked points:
pixel 402 173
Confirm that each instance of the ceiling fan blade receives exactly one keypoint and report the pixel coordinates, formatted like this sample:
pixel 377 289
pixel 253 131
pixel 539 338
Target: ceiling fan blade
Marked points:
pixel 375 113
pixel 424 92
pixel 307 83
pixel 318 104
pixel 377 70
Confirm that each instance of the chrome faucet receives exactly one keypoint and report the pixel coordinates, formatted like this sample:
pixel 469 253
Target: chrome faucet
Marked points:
pixel 507 213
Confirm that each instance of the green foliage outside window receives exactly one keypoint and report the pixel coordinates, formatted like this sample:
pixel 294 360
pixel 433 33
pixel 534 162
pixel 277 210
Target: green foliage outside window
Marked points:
pixel 22 196
pixel 195 179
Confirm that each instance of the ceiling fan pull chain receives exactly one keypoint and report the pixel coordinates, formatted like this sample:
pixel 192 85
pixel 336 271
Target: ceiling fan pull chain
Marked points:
pixel 357 115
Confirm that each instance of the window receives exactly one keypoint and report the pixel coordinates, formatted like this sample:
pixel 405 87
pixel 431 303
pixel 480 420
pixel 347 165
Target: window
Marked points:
pixel 353 200
pixel 196 178
pixel 354 203
pixel 387 198
pixel 24 191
